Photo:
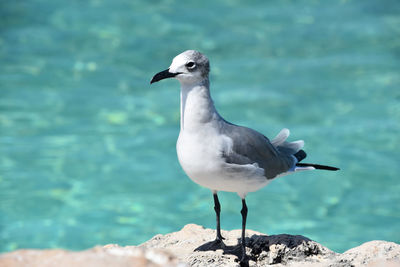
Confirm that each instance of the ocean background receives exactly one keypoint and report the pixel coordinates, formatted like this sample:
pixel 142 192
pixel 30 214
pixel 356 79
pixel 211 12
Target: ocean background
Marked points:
pixel 87 146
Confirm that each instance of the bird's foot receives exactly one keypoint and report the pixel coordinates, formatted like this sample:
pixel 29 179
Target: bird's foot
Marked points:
pixel 242 257
pixel 218 243
pixel 244 262
pixel 219 238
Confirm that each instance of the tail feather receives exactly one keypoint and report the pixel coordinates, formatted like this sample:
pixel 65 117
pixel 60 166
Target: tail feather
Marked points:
pixel 317 166
pixel 285 147
pixel 300 155
pixel 295 149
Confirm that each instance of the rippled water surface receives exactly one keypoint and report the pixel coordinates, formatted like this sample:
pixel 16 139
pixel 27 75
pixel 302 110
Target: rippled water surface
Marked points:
pixel 87 146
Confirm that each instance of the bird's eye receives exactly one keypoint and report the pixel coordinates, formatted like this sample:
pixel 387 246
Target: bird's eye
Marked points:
pixel 190 65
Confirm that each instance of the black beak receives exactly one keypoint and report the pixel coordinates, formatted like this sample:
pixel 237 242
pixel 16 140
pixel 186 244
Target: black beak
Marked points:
pixel 163 75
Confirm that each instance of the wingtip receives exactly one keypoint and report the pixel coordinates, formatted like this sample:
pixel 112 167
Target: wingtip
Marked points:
pixel 318 166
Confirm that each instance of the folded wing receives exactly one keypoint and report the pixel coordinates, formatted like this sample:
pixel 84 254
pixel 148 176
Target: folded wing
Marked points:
pixel 250 147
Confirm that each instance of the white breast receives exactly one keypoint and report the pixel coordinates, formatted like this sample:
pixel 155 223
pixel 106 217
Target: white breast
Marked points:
pixel 199 152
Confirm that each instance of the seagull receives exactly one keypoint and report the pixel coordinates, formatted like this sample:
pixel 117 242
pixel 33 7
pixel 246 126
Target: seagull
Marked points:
pixel 220 155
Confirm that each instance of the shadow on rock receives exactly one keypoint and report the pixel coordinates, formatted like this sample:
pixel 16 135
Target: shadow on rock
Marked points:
pixel 215 245
pixel 271 249
pixel 235 250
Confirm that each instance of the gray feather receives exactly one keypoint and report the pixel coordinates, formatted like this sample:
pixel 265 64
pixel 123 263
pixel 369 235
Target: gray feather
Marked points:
pixel 251 147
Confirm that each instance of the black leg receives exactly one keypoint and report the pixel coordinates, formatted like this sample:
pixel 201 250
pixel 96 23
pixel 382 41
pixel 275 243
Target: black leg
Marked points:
pixel 244 217
pixel 217 208
pixel 218 243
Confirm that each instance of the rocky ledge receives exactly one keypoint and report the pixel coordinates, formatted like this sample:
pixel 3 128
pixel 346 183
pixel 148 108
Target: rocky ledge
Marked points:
pixel 192 247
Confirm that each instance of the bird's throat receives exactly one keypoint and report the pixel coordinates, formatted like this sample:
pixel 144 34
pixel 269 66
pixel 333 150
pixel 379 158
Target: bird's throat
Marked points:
pixel 197 107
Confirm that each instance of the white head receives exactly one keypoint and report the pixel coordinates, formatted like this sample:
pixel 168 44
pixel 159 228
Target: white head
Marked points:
pixel 189 67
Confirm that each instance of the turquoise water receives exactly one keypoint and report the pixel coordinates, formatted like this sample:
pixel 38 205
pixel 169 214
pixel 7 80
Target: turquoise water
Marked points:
pixel 87 146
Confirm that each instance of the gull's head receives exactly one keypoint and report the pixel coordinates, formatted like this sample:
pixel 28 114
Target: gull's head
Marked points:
pixel 189 67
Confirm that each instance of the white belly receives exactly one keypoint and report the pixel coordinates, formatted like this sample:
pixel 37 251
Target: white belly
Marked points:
pixel 200 155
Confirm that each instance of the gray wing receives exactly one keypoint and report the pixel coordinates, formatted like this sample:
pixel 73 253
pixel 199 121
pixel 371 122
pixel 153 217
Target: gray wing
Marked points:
pixel 249 147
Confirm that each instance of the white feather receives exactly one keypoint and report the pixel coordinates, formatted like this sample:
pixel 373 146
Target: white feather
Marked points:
pixel 281 137
pixel 295 146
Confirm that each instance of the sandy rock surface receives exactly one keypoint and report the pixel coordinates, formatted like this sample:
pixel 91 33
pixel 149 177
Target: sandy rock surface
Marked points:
pixel 192 245
pixel 109 255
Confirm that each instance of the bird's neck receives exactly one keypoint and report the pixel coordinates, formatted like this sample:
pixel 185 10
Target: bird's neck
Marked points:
pixel 197 107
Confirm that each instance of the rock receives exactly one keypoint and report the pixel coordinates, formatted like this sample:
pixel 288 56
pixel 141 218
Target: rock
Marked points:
pixel 110 255
pixel 193 246
pixel 371 254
